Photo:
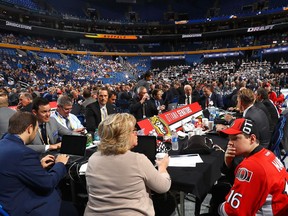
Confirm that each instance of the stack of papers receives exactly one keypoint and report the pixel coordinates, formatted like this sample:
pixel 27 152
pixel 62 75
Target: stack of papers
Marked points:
pixel 189 160
pixel 83 169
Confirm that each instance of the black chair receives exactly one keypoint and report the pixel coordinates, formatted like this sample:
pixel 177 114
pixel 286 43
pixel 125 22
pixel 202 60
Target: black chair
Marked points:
pixel 3 212
pixel 278 143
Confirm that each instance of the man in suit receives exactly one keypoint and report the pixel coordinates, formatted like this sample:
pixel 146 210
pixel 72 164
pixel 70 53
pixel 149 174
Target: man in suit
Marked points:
pixel 156 102
pixel 25 102
pixel 187 97
pixel 139 106
pixel 210 98
pixel 5 112
pixel 50 131
pixel 77 100
pixel 262 97
pixel 88 99
pixel 197 93
pixel 245 103
pixel 97 111
pixel 27 188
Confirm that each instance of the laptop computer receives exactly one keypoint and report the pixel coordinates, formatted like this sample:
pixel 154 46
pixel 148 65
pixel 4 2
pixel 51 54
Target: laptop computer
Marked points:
pixel 74 146
pixel 172 106
pixel 147 146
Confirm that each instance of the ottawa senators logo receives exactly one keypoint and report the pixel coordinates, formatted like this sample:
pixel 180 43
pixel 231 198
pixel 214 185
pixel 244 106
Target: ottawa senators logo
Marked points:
pixel 160 126
pixel 244 174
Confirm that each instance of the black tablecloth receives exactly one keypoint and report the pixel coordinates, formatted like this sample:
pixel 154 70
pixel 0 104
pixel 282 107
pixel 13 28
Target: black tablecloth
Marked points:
pixel 199 180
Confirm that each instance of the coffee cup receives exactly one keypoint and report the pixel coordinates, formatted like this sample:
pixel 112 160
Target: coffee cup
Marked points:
pixel 205 122
pixel 160 156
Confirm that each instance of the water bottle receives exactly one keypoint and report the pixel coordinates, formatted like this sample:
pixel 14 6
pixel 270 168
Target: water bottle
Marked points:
pixel 96 135
pixel 212 111
pixel 193 120
pixel 174 141
pixel 89 139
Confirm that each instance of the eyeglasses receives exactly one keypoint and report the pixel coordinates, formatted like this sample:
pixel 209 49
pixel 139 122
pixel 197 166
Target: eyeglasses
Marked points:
pixel 66 109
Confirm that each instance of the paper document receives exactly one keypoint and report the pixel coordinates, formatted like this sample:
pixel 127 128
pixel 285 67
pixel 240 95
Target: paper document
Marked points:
pixel 189 160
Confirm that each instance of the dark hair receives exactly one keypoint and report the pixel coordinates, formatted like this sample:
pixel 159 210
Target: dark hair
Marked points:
pixel 111 93
pixel 210 87
pixel 102 89
pixel 263 93
pixel 19 122
pixel 86 93
pixel 155 92
pixel 39 101
pixel 3 92
pixel 148 74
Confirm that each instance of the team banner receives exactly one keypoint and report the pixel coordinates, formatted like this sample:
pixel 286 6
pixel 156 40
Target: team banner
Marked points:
pixel 165 122
pixel 112 36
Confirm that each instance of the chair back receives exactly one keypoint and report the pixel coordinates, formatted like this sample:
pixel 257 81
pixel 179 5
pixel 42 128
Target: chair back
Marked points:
pixel 279 140
pixel 3 212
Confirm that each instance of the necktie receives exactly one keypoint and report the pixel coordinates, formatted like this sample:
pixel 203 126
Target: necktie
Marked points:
pixel 103 113
pixel 43 133
pixel 188 99
pixel 157 103
pixel 144 110
pixel 207 102
pixel 68 124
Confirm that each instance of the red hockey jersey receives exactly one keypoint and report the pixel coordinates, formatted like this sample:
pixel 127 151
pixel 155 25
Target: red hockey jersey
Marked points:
pixel 260 187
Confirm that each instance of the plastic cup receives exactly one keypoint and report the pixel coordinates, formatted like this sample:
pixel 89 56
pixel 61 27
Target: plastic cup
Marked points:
pixel 211 125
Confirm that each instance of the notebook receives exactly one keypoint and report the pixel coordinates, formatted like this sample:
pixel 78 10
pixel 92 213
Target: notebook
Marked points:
pixel 147 146
pixel 74 146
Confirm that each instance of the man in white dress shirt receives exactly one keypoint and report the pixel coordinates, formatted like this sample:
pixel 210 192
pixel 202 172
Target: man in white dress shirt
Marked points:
pixel 64 117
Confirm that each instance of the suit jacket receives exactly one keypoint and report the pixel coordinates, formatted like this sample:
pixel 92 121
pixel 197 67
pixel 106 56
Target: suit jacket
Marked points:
pixel 272 111
pixel 88 101
pixel 261 106
pixel 93 115
pixel 216 98
pixel 260 119
pixel 5 114
pixel 27 108
pixel 196 96
pixel 154 110
pixel 182 99
pixel 136 108
pixel 54 131
pixel 26 188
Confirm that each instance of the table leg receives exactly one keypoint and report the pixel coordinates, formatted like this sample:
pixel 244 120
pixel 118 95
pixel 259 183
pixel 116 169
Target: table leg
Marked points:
pixel 198 203
pixel 182 203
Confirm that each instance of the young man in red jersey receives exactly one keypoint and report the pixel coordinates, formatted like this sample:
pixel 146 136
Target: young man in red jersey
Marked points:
pixel 261 180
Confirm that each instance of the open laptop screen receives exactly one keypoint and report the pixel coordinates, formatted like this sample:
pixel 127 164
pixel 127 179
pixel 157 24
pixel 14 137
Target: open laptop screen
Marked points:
pixel 147 146
pixel 172 106
pixel 73 145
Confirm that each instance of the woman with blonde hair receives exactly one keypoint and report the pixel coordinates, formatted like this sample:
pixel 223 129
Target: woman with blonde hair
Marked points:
pixel 119 180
